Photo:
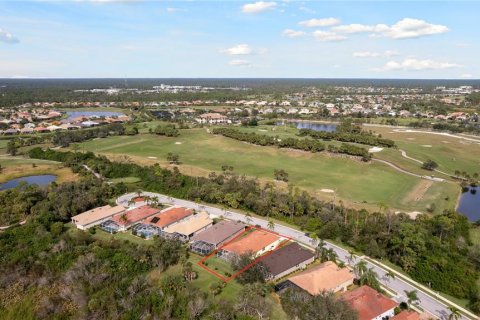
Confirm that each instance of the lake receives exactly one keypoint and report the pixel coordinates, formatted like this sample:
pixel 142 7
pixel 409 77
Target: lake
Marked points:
pixel 469 204
pixel 99 114
pixel 41 180
pixel 317 126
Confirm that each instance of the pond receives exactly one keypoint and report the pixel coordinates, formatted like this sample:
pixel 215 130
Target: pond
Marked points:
pixel 88 114
pixel 317 126
pixel 41 180
pixel 469 204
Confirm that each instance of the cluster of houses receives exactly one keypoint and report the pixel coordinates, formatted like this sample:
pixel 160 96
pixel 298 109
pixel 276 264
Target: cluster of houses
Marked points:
pixel 285 262
pixel 41 120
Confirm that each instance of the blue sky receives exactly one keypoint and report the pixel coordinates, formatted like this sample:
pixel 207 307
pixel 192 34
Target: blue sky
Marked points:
pixel 311 39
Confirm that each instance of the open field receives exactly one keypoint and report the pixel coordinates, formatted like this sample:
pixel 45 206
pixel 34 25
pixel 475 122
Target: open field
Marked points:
pixel 449 152
pixel 358 184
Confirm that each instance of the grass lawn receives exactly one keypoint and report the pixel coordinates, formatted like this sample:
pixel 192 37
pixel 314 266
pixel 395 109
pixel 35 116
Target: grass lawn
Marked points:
pixel 220 266
pixel 357 184
pixel 126 180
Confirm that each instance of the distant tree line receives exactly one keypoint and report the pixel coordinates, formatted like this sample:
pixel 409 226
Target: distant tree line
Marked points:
pixel 65 138
pixel 294 143
pixel 362 138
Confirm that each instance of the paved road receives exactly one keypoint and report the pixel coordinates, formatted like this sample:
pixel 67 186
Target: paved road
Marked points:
pixel 429 302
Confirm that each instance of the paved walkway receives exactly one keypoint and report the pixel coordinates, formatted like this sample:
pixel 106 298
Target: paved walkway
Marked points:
pixel 408 172
pixel 429 300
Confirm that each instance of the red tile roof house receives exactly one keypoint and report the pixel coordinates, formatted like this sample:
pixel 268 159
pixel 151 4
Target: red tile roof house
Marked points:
pixel 169 217
pixel 369 304
pixel 406 315
pixel 131 217
pixel 256 243
pixel 286 260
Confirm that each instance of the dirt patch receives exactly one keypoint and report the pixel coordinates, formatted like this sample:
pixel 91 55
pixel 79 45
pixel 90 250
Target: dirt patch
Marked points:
pixel 418 191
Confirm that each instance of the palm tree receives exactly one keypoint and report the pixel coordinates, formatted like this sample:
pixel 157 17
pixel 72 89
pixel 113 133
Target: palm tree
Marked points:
pixel 123 218
pixel 454 313
pixel 320 249
pixel 351 256
pixel 390 275
pixel 412 297
pixel 271 225
pixel 331 255
pixel 360 268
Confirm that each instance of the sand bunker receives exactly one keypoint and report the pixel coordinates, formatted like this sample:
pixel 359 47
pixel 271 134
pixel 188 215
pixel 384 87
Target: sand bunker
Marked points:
pixel 410 138
pixel 263 130
pixel 178 142
pixel 375 149
pixel 152 157
pixel 426 145
pixel 327 190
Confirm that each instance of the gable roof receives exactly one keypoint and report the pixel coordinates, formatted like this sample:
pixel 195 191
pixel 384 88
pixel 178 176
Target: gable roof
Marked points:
pixel 135 215
pixel 220 232
pixel 191 225
pixel 286 258
pixel 96 214
pixel 169 216
pixel 324 277
pixel 368 303
pixel 252 242
pixel 406 315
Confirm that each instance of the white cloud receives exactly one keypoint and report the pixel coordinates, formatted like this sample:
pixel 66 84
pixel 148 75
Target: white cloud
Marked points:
pixel 7 37
pixel 466 76
pixel 289 33
pixel 306 9
pixel 412 64
pixel 403 29
pixel 258 7
pixel 365 54
pixel 328 36
pixel 238 50
pixel 325 22
pixel 239 63
pixel 369 54
pixel 172 10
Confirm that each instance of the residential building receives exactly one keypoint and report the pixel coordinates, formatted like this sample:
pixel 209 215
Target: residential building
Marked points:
pixel 369 304
pixel 215 236
pixel 122 222
pixel 324 277
pixel 186 229
pixel 96 216
pixel 256 243
pixel 286 260
pixel 212 118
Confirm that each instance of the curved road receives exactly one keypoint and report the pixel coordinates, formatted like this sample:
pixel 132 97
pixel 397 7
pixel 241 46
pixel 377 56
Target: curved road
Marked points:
pixel 428 300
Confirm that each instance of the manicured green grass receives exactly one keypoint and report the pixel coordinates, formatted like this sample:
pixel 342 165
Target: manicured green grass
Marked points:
pixel 126 180
pixel 450 153
pixel 220 266
pixel 357 183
